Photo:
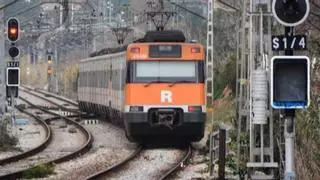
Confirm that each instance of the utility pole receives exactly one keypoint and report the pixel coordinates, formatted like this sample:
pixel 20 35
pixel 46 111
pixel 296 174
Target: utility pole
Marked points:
pixel 253 114
pixel 2 66
pixel 64 15
pixel 242 86
pixel 210 65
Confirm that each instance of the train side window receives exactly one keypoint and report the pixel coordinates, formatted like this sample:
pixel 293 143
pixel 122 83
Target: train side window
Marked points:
pixel 99 79
pixel 94 80
pixel 129 72
pixel 201 72
pixel 85 79
pixel 89 78
pixel 104 81
pixel 110 72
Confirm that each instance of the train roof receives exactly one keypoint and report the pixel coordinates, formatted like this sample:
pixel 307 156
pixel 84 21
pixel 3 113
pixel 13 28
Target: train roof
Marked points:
pixel 150 36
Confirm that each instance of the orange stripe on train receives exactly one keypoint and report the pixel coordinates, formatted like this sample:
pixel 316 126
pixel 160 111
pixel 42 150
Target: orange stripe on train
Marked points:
pixel 186 52
pixel 155 94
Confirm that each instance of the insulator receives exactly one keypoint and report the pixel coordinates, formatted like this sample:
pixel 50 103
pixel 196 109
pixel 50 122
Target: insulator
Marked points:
pixel 259 96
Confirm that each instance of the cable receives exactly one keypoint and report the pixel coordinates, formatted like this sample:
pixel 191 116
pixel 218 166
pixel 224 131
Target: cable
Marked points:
pixel 7 5
pixel 315 4
pixel 188 10
pixel 228 5
pixel 315 14
pixel 315 26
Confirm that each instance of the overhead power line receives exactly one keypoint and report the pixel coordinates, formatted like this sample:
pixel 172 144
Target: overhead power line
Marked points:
pixel 188 10
pixel 37 5
pixel 228 5
pixel 9 4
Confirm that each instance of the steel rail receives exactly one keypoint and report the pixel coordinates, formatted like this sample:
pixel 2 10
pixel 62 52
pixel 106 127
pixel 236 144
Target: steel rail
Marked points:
pixel 33 151
pixel 83 149
pixel 52 102
pixel 50 94
pixel 176 167
pixel 116 166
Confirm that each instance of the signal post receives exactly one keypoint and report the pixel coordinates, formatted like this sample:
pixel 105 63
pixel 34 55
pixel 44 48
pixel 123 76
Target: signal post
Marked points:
pixel 290 75
pixel 50 73
pixel 13 70
pixel 2 66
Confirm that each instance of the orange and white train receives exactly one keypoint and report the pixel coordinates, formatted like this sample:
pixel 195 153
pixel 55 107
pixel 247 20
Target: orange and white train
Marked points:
pixel 155 88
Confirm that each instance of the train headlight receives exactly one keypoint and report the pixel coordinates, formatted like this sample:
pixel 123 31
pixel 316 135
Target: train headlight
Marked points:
pixel 136 108
pixel 194 108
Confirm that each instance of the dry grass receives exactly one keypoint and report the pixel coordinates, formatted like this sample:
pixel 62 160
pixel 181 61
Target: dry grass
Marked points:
pixel 223 111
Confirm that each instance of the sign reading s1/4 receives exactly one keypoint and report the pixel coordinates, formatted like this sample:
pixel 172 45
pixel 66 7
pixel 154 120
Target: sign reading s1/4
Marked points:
pixel 281 43
pixel 13 64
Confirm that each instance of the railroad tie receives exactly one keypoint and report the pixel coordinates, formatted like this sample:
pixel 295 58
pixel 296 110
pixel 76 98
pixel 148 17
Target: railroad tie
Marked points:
pixel 91 121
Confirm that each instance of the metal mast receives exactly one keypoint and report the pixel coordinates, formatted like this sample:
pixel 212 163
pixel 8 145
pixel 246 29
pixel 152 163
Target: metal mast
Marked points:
pixel 253 111
pixel 2 66
pixel 209 59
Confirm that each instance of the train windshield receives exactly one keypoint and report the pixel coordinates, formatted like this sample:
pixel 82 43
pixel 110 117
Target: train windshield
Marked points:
pixel 166 71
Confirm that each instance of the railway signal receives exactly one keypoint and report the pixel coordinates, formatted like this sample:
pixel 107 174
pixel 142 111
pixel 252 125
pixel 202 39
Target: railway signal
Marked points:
pixel 290 12
pixel 290 82
pixel 14 52
pixel 290 75
pixel 49 72
pixel 13 76
pixel 13 30
pixel 49 59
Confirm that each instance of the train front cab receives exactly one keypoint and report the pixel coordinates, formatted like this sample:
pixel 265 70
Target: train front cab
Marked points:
pixel 164 122
pixel 165 97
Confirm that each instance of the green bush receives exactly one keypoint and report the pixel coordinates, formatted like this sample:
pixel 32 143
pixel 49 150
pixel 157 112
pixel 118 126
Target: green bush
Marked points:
pixel 225 78
pixel 231 163
pixel 40 171
pixel 7 142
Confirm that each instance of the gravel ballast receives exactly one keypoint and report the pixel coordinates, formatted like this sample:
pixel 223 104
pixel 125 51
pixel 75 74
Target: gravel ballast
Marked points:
pixel 110 147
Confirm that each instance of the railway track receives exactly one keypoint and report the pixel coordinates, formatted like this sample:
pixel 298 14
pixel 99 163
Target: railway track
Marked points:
pixel 175 168
pixel 118 167
pixel 57 105
pixel 52 95
pixel 39 148
pixel 84 148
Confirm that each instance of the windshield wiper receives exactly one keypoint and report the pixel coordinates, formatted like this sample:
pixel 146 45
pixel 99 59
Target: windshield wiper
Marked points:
pixel 157 81
pixel 176 82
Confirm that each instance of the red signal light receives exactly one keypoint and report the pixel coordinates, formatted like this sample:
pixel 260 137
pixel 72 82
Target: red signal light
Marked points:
pixel 13 29
pixel 49 72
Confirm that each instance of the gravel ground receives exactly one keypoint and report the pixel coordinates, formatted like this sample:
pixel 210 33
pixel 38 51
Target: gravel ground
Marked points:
pixel 29 136
pixel 55 95
pixel 34 99
pixel 55 100
pixel 197 167
pixel 62 143
pixel 150 164
pixel 68 142
pixel 6 154
pixel 110 146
